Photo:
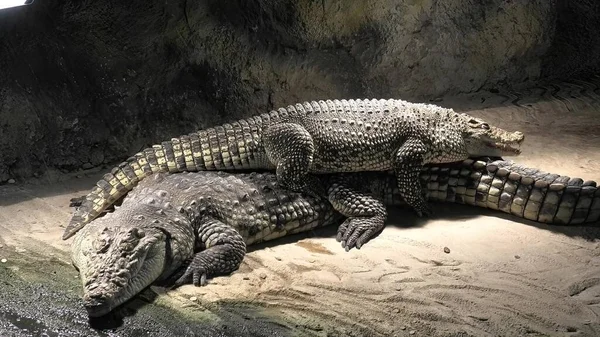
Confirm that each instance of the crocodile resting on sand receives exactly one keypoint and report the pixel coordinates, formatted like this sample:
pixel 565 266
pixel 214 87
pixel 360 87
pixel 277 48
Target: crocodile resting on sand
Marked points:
pixel 315 137
pixel 210 217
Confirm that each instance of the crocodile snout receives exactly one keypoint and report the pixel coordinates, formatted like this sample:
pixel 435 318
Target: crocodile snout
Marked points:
pixel 96 304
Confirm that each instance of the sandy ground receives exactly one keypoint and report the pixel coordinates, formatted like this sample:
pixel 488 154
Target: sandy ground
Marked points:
pixel 503 276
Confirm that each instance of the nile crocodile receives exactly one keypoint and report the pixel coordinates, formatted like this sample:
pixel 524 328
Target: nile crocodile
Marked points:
pixel 165 220
pixel 316 137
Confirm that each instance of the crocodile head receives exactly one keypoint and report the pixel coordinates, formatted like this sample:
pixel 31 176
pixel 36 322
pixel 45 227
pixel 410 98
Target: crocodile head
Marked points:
pixel 115 263
pixel 482 139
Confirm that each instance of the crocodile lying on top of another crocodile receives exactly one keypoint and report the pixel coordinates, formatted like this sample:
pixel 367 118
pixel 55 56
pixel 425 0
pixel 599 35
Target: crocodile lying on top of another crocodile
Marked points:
pixel 210 217
pixel 316 137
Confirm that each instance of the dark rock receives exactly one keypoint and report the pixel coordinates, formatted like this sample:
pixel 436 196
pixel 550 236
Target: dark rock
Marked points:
pixel 98 81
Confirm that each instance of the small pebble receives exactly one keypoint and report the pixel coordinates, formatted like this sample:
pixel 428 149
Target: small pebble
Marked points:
pixel 396 310
pixel 412 332
pixel 403 328
pixel 517 257
pixel 446 250
pixel 11 181
pixel 245 278
pixel 3 260
pixel 193 298
pixel 263 276
pixel 277 258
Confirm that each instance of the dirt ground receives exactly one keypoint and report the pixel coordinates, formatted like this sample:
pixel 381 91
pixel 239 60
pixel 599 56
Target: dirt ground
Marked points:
pixel 503 276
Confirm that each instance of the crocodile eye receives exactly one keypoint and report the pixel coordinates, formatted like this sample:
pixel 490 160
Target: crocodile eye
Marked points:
pixel 485 126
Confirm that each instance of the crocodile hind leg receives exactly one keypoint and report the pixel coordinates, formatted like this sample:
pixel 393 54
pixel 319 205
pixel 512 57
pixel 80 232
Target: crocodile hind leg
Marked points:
pixel 224 250
pixel 408 163
pixel 365 213
pixel 291 149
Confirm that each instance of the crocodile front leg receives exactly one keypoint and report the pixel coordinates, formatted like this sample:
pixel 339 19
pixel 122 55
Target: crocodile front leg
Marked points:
pixel 408 163
pixel 290 148
pixel 224 250
pixel 365 213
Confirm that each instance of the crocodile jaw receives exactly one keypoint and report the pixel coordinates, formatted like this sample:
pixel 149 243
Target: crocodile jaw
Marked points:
pixel 110 293
pixel 494 142
pixel 115 265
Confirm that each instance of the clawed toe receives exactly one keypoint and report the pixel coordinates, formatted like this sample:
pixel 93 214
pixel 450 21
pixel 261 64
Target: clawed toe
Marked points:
pixel 198 278
pixel 355 232
pixel 423 209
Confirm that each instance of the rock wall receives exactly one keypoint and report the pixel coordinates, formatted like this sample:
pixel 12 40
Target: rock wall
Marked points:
pixel 87 83
pixel 575 49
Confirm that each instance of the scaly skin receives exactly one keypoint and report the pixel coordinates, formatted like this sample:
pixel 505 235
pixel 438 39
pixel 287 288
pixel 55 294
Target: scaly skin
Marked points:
pixel 215 212
pixel 166 219
pixel 315 137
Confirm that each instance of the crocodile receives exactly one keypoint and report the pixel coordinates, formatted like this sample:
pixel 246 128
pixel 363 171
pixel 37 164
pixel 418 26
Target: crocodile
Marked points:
pixel 320 137
pixel 177 228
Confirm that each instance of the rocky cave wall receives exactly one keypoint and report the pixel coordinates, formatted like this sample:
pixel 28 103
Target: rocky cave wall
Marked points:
pixel 87 83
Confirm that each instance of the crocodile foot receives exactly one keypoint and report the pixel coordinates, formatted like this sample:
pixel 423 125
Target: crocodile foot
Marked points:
pixel 195 271
pixel 423 209
pixel 357 231
pixel 198 278
pixel 225 252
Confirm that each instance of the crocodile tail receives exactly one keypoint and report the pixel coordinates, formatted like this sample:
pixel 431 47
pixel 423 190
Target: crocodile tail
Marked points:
pixel 516 189
pixel 544 197
pixel 176 155
pixel 230 146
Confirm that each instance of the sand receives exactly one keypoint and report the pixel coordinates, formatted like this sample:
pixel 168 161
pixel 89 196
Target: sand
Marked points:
pixel 500 276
